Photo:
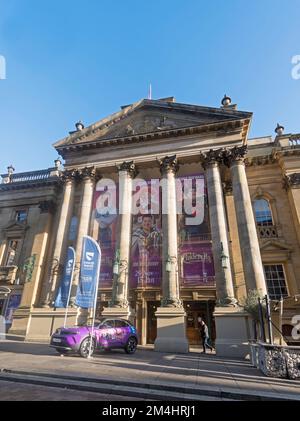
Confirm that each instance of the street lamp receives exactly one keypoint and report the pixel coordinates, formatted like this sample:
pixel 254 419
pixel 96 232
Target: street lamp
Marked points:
pixel 224 258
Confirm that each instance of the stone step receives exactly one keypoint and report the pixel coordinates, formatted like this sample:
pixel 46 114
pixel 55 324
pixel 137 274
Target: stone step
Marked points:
pixel 154 391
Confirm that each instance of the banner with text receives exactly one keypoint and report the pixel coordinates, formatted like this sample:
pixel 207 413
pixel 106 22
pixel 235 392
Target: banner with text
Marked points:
pixel 89 273
pixel 63 293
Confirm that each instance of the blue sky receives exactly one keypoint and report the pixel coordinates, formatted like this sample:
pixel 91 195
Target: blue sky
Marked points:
pixel 69 60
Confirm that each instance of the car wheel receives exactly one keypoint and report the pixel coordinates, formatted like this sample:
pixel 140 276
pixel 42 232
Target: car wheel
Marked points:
pixel 131 346
pixel 85 347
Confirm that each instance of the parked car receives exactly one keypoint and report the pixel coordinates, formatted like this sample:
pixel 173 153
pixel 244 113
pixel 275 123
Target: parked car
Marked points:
pixel 108 334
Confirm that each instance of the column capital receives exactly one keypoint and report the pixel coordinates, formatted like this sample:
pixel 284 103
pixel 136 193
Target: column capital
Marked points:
pixel 87 173
pixel 129 167
pixel 291 181
pixel 69 175
pixel 234 155
pixel 47 206
pixel 211 157
pixel 168 164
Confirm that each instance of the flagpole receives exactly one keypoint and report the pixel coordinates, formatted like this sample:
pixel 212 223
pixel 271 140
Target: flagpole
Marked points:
pixel 96 295
pixel 70 287
pixel 150 92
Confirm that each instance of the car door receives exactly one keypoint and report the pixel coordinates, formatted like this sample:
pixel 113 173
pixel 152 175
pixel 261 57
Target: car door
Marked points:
pixel 122 331
pixel 108 334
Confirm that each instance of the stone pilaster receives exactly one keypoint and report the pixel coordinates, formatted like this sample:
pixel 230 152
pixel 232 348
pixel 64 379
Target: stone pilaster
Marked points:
pixel 34 268
pixel 119 305
pixel 291 183
pixel 171 329
pixel 219 230
pixel 253 268
pixel 49 288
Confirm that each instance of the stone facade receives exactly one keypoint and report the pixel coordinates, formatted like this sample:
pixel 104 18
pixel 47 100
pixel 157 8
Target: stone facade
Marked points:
pixel 41 213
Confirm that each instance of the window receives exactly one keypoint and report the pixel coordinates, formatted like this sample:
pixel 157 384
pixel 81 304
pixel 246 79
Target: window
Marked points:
pixel 108 324
pixel 263 214
pixel 275 280
pixel 21 215
pixel 11 255
pixel 120 323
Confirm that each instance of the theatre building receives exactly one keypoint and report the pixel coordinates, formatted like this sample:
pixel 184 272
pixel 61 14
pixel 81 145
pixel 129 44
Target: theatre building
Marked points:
pixel 205 215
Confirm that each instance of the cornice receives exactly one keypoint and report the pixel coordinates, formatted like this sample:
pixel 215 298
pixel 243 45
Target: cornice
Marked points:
pixel 251 161
pixel 220 128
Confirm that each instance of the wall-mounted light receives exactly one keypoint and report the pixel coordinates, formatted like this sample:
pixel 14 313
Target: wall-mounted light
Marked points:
pixel 168 264
pixel 116 265
pixel 224 258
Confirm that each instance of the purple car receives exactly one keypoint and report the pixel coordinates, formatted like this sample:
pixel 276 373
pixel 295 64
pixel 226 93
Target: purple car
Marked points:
pixel 108 334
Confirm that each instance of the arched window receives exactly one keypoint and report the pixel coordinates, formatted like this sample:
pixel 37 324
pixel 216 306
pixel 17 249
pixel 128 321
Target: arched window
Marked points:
pixel 263 214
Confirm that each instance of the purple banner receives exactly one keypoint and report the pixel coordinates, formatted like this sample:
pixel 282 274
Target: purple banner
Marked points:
pixel 146 251
pixel 106 238
pixel 195 261
pixel 196 264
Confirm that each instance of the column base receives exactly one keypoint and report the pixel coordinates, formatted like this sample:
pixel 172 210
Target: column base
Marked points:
pixel 38 324
pixel 171 331
pixel 232 332
pixel 126 313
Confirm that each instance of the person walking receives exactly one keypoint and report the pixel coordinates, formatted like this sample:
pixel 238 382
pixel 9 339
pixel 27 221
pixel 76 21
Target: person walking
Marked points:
pixel 204 336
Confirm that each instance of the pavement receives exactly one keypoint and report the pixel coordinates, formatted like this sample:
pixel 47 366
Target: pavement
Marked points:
pixel 146 375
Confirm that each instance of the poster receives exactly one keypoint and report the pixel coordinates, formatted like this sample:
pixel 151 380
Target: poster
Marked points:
pixel 195 260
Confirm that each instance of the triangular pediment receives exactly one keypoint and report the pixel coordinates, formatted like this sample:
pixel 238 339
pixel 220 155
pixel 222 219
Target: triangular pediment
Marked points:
pixel 275 245
pixel 15 228
pixel 152 116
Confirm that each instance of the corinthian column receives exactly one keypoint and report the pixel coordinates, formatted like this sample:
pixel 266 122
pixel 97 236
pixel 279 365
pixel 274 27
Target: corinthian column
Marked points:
pixel 224 285
pixel 66 210
pixel 171 329
pixel 127 172
pixel 119 306
pixel 253 268
pixel 88 178
pixel 170 287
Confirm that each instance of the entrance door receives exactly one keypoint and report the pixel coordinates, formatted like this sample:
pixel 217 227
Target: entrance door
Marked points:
pixel 195 310
pixel 151 321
